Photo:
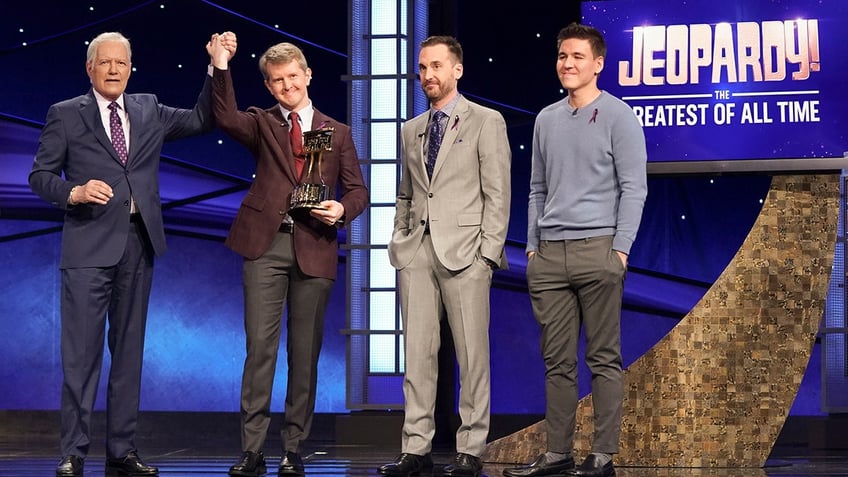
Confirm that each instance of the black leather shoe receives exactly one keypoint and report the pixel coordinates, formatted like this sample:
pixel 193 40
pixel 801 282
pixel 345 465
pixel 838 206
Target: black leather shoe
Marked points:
pixel 408 464
pixel 464 465
pixel 540 467
pixel 252 464
pixel 70 466
pixel 129 466
pixel 591 467
pixel 291 464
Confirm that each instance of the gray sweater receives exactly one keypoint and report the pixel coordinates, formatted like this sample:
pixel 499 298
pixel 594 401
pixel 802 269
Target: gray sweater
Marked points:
pixel 588 176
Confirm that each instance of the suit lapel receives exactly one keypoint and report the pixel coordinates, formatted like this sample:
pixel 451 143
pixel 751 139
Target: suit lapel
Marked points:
pixel 449 138
pixel 319 119
pixel 418 159
pixel 91 118
pixel 280 129
pixel 136 116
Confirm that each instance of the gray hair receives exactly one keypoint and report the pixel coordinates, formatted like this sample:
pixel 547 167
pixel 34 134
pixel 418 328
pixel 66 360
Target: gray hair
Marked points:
pixel 104 37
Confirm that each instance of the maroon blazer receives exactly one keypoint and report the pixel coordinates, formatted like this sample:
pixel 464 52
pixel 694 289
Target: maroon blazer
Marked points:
pixel 266 134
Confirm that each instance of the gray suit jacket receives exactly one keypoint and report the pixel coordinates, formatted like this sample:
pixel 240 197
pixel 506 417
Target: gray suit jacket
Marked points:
pixel 467 200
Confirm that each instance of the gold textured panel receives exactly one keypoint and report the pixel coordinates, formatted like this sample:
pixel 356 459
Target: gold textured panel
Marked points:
pixel 716 390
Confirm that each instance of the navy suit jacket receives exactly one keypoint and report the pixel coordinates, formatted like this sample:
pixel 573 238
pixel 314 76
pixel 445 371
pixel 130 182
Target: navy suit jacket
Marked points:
pixel 75 144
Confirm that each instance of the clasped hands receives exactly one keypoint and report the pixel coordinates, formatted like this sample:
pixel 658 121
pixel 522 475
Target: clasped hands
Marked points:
pixel 221 48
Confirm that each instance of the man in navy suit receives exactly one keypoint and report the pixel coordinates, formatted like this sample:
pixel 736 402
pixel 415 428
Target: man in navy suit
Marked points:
pixel 99 162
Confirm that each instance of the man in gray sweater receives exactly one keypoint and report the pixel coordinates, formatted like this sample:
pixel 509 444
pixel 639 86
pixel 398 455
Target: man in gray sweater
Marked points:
pixel 587 190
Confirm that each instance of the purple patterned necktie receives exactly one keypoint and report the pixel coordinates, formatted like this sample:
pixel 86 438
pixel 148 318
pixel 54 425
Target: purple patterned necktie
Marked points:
pixel 118 141
pixel 434 141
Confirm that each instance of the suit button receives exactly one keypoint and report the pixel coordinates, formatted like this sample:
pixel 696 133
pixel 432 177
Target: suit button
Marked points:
pixel 430 195
pixel 126 203
pixel 423 222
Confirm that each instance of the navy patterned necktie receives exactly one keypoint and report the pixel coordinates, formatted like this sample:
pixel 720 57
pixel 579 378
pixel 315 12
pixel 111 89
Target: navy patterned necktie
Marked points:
pixel 434 141
pixel 118 141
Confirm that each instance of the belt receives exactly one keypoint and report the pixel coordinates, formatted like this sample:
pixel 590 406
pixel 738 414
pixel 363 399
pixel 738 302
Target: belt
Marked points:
pixel 287 228
pixel 135 219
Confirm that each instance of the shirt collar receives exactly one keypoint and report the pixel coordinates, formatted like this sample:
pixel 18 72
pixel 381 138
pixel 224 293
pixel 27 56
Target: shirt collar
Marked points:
pixel 305 113
pixel 103 103
pixel 448 108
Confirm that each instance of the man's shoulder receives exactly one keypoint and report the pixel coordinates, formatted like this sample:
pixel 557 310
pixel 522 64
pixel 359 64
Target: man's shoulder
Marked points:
pixel 141 97
pixel 74 102
pixel 479 108
pixel 554 107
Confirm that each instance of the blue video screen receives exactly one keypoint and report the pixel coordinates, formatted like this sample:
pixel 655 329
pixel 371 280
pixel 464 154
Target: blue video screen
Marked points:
pixel 724 80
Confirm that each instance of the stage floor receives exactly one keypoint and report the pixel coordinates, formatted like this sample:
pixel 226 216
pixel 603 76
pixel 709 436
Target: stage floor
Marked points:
pixel 330 460
pixel 207 444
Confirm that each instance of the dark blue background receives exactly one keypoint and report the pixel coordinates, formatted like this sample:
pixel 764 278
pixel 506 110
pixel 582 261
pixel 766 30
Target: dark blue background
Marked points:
pixel 691 227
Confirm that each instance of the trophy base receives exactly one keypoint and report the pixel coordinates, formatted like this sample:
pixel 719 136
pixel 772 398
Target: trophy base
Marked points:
pixel 306 197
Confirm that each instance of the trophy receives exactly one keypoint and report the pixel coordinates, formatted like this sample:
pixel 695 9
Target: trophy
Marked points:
pixel 312 190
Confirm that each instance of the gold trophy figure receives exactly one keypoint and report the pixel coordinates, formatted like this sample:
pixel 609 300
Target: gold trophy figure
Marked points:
pixel 312 190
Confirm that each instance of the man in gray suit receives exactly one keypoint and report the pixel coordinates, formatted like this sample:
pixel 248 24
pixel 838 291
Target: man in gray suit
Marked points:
pixel 449 232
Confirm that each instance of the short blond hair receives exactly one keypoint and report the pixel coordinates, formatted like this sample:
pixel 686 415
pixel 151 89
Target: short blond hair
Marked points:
pixel 282 53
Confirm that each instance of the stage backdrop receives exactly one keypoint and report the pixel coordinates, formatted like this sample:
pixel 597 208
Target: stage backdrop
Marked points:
pixel 195 344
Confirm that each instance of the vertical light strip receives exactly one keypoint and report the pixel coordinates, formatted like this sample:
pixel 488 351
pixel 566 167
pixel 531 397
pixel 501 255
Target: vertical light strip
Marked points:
pixel 382 70
pixel 834 333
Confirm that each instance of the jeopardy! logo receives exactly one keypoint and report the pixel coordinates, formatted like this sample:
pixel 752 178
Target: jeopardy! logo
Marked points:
pixel 722 53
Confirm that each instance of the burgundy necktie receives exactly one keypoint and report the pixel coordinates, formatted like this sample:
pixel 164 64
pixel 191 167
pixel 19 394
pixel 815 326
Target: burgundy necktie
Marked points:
pixel 296 136
pixel 118 141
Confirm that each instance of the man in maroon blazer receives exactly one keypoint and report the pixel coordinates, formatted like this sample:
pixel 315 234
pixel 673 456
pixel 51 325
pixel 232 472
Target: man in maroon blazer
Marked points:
pixel 286 259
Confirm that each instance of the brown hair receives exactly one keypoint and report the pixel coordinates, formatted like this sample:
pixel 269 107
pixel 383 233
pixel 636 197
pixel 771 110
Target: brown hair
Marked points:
pixel 584 32
pixel 453 45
